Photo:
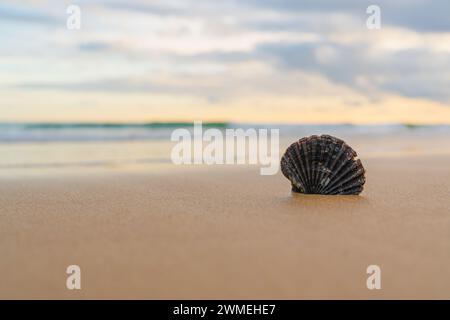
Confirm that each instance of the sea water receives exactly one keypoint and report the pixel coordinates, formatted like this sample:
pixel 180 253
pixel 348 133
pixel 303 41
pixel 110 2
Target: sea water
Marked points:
pixel 42 146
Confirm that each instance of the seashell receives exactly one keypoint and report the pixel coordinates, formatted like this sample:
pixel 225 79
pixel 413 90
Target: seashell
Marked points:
pixel 323 165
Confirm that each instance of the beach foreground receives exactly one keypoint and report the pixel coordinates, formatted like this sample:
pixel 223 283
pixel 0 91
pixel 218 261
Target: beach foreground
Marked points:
pixel 226 233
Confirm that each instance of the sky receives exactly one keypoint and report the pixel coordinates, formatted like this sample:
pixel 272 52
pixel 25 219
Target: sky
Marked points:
pixel 284 61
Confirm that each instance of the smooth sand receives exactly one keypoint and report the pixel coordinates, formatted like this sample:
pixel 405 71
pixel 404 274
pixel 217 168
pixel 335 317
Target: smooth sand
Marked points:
pixel 227 232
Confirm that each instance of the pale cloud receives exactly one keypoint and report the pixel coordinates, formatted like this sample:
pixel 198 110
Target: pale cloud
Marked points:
pixel 316 58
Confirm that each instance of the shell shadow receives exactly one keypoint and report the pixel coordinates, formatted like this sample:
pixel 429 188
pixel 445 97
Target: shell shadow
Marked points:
pixel 324 203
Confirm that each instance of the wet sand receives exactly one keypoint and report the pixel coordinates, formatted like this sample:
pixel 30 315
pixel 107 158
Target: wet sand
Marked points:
pixel 226 233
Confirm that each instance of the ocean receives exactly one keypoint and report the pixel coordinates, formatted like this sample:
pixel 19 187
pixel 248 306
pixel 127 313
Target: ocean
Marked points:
pixel 86 132
pixel 27 147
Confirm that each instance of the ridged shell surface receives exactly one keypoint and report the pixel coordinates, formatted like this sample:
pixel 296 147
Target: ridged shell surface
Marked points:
pixel 323 165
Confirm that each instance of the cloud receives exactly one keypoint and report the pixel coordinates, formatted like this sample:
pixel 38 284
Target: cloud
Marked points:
pixel 22 14
pixel 419 15
pixel 230 50
pixel 95 46
pixel 410 72
pixel 160 9
pixel 107 85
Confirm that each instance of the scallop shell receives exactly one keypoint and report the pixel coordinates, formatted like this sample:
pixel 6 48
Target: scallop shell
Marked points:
pixel 323 165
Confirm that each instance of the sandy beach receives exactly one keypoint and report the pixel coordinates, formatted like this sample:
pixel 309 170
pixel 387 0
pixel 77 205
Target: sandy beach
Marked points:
pixel 226 233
